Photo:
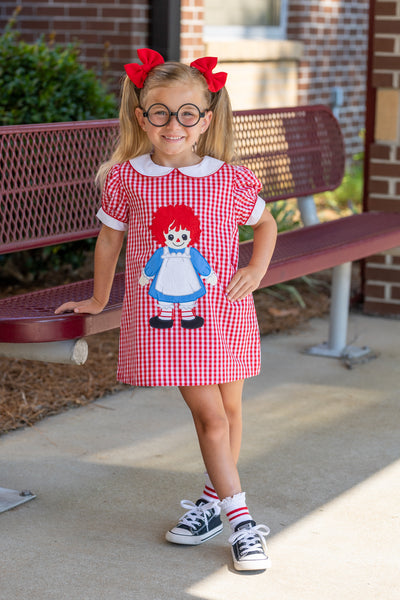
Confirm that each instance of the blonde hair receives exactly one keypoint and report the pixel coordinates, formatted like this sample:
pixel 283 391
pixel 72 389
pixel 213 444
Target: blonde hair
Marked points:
pixel 216 141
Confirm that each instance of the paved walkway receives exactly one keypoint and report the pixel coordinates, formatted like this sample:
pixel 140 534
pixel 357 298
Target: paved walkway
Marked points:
pixel 320 463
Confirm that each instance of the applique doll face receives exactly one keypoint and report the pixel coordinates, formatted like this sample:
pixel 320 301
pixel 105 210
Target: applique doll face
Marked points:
pixel 177 240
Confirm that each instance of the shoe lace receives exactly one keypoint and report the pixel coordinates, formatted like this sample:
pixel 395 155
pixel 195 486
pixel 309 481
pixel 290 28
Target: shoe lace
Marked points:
pixel 197 515
pixel 250 539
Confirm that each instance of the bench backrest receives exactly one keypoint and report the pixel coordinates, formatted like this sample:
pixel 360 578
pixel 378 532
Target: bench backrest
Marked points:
pixel 46 185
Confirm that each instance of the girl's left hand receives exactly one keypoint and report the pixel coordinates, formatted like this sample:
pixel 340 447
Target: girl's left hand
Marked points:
pixel 243 283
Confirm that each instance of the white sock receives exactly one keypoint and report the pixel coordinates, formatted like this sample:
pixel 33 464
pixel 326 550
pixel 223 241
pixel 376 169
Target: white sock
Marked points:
pixel 236 510
pixel 209 494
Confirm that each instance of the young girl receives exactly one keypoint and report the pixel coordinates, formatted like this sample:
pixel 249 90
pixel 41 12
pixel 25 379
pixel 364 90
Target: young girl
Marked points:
pixel 188 317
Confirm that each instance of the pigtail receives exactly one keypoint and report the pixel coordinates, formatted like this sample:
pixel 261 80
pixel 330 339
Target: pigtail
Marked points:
pixel 132 140
pixel 218 140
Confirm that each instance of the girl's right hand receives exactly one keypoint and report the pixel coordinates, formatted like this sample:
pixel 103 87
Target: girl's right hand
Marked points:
pixel 91 306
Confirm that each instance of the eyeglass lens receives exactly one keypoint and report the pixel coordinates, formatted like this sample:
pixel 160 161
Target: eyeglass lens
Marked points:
pixel 187 115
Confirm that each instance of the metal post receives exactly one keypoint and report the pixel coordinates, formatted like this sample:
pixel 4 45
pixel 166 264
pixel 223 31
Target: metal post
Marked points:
pixel 308 210
pixel 165 28
pixel 336 346
pixel 339 312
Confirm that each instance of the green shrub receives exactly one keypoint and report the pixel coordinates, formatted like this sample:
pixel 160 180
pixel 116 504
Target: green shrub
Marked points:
pixel 349 194
pixel 348 197
pixel 46 83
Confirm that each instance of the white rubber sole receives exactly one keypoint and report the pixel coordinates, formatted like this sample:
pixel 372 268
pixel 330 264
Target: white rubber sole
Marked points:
pixel 260 564
pixel 176 537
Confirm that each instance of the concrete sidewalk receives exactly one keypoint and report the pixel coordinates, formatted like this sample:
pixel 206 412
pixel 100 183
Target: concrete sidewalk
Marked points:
pixel 320 464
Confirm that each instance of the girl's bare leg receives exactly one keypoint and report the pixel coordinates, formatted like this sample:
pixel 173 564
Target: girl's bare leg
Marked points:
pixel 210 407
pixel 232 399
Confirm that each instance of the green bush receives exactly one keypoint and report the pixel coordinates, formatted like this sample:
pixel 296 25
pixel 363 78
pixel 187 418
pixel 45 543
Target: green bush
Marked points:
pixel 46 83
pixel 349 194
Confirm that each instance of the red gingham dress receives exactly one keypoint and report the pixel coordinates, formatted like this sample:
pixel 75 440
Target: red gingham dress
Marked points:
pixel 227 346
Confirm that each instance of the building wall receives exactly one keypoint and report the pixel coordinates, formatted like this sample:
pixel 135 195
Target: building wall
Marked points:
pixel 382 289
pixel 334 34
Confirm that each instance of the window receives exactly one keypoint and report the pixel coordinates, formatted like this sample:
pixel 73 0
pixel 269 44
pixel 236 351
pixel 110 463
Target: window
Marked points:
pixel 245 19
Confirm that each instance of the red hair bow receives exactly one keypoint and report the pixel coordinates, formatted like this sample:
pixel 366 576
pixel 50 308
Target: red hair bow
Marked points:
pixel 138 73
pixel 205 65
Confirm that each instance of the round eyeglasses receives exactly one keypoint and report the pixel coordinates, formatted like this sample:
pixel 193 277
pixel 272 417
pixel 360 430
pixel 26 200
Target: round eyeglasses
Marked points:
pixel 187 115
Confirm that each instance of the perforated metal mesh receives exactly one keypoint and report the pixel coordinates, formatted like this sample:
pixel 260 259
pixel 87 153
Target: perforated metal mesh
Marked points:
pixel 47 186
pixel 47 190
pixel 293 151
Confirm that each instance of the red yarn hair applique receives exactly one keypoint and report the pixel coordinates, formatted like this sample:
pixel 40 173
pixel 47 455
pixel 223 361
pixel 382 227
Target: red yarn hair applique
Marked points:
pixel 175 217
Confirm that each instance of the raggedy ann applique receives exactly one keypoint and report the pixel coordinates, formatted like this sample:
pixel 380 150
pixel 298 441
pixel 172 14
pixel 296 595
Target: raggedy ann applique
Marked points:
pixel 176 270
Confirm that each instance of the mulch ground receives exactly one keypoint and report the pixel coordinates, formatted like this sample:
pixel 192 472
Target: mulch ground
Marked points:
pixel 31 391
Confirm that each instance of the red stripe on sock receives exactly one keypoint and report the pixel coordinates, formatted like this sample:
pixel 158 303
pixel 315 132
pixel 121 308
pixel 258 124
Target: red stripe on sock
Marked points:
pixel 232 512
pixel 239 512
pixel 234 519
pixel 210 492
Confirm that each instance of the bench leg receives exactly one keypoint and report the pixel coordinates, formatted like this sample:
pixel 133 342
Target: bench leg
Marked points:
pixel 336 346
pixel 65 352
pixel 308 210
pixel 12 498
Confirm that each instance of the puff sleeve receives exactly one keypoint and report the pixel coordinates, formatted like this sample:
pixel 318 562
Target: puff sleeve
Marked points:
pixel 114 211
pixel 248 205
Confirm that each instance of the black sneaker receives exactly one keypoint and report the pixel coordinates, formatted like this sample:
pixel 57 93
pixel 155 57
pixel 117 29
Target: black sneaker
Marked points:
pixel 249 550
pixel 201 523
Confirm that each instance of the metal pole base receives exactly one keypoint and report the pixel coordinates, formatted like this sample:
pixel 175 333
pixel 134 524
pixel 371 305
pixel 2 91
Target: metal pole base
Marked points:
pixel 351 352
pixel 12 498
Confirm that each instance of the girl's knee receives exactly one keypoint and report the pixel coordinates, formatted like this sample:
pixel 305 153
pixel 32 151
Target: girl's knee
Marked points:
pixel 212 426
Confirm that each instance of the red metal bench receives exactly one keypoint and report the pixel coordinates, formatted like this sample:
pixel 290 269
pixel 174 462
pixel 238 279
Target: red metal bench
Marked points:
pixel 48 197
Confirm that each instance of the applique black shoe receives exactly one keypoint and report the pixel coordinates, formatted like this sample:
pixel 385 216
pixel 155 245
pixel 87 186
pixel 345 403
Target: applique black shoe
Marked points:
pixel 201 523
pixel 158 323
pixel 192 323
pixel 249 550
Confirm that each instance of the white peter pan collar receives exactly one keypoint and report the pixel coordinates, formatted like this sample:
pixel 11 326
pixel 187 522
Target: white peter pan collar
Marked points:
pixel 145 166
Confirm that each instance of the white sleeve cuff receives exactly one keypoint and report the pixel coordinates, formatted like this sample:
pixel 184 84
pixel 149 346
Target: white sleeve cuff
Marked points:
pixel 110 221
pixel 257 212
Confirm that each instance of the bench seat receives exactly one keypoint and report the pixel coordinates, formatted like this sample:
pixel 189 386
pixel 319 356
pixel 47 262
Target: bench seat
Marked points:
pixel 30 317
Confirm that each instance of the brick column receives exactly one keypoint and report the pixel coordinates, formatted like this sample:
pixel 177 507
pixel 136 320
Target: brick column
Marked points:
pixel 382 273
pixel 192 25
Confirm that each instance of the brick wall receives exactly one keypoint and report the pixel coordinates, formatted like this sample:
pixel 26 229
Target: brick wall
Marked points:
pixel 335 38
pixel 192 23
pixel 382 273
pixel 108 32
